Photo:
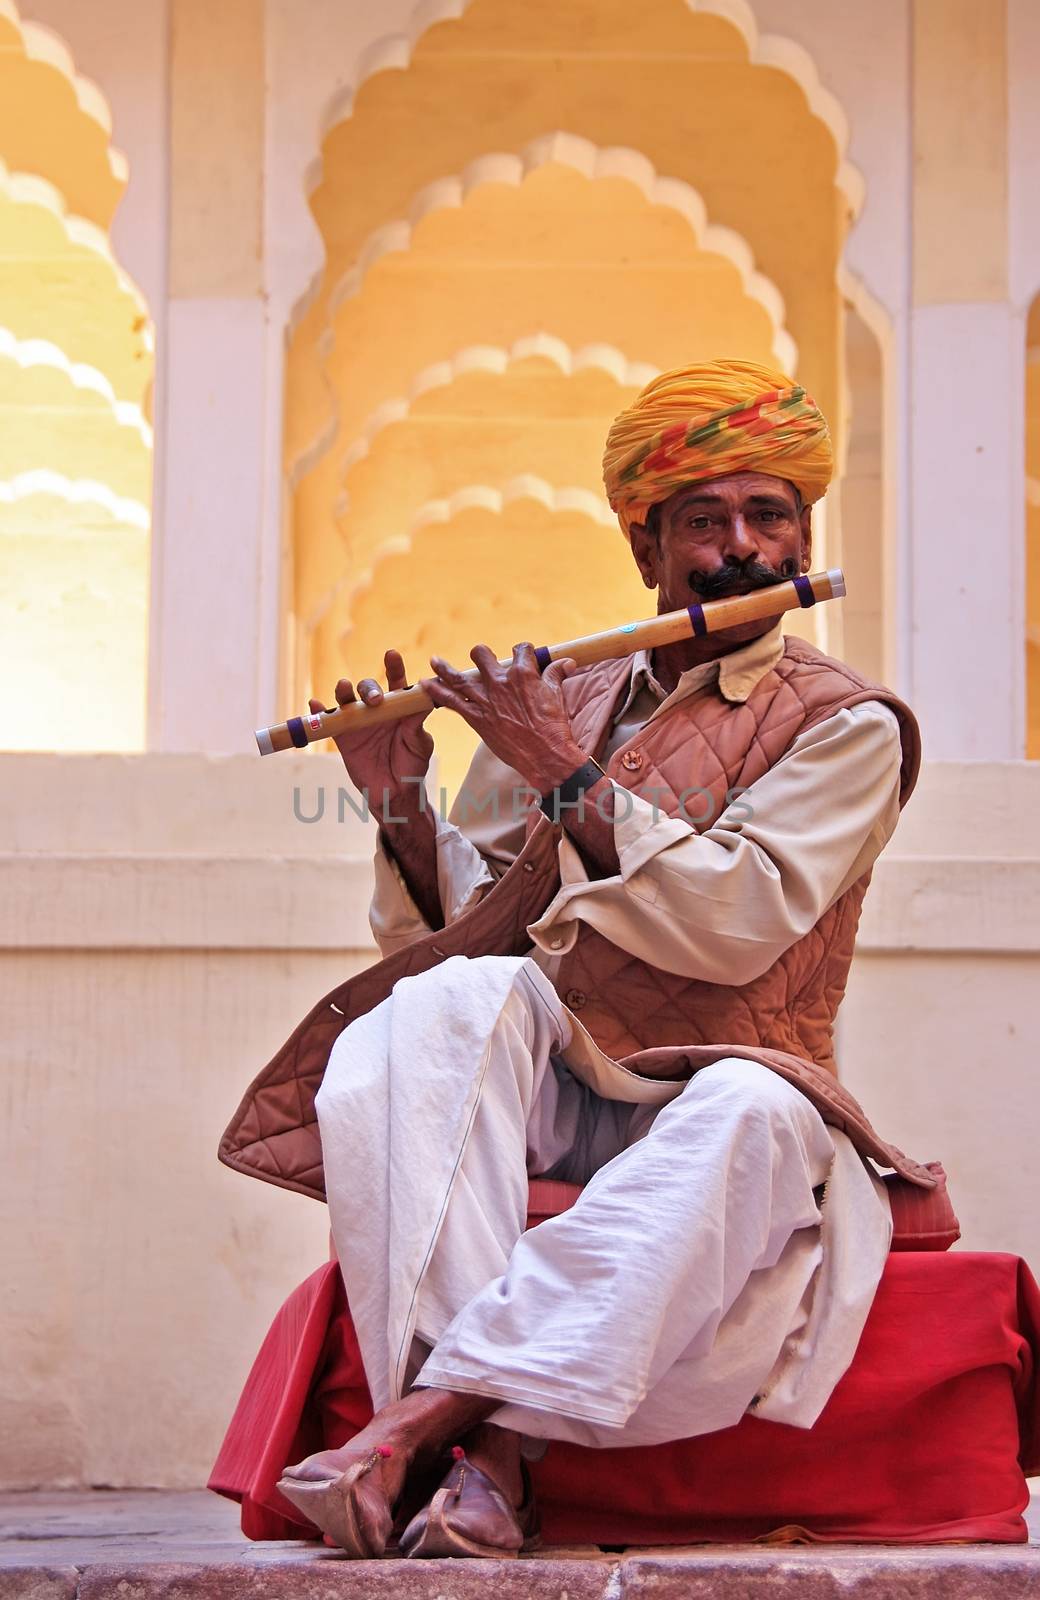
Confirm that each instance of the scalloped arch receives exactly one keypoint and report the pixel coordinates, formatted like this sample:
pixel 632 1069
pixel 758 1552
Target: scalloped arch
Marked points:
pixel 479 562
pixel 559 234
pixel 472 497
pixel 40 354
pixel 41 484
pixel 577 155
pixel 63 417
pixel 593 163
pixel 491 412
pixel 554 251
pixel 394 52
pixel 59 280
pixel 488 358
pixel 54 122
pixel 770 178
pixel 466 78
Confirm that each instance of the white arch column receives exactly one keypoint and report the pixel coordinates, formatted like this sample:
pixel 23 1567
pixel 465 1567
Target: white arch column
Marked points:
pixel 208 651
pixel 186 83
pixel 966 375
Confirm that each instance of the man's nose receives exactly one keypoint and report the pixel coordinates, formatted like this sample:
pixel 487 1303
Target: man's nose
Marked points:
pixel 739 540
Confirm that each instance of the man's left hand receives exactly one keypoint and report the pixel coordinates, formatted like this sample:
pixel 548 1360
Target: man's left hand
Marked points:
pixel 517 710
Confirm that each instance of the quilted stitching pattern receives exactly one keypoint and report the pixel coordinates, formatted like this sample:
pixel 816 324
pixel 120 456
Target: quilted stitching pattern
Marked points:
pixel 652 1020
pixel 715 745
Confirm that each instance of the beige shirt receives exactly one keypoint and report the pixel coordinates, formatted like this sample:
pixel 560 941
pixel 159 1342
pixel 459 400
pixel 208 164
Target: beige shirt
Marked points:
pixel 719 905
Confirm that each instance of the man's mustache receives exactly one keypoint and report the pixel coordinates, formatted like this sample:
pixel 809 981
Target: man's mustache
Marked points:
pixel 751 574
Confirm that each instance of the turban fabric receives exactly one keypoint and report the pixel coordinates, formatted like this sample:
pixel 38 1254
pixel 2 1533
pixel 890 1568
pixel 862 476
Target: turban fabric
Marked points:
pixel 709 421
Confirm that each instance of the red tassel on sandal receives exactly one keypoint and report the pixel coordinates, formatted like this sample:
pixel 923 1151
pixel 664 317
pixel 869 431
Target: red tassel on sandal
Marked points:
pixel 470 1516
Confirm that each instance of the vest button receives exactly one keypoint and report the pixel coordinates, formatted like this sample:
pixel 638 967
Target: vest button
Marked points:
pixel 528 866
pixel 575 999
pixel 632 760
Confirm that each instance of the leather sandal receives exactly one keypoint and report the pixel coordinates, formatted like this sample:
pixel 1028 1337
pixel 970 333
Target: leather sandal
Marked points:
pixel 470 1516
pixel 335 1505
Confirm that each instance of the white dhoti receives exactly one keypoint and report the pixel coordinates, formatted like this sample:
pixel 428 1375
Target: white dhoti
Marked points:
pixel 723 1255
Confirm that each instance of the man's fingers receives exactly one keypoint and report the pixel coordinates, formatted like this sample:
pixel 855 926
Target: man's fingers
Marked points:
pixel 446 672
pixel 485 661
pixel 441 693
pixel 455 696
pixel 557 671
pixel 370 691
pixel 345 692
pixel 396 677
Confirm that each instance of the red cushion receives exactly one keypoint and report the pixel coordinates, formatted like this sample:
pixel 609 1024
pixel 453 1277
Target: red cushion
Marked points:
pixel 926 1437
pixel 922 1219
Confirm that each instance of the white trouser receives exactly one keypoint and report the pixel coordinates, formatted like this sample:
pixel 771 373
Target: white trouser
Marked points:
pixel 692 1276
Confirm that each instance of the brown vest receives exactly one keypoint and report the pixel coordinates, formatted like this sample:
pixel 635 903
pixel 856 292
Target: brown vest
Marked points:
pixel 654 1022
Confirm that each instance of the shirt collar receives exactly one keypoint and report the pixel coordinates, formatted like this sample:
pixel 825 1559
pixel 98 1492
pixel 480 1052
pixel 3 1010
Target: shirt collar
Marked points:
pixel 737 673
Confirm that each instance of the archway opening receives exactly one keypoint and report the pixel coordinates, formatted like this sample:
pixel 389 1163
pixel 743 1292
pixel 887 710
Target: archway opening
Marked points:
pixel 76 362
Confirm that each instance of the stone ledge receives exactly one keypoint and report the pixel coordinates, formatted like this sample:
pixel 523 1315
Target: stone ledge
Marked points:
pixel 194 902
pixel 179 902
pixel 834 1573
pixel 170 1546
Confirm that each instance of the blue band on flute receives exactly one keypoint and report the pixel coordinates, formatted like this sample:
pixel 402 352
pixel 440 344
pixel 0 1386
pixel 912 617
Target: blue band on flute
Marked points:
pixel 805 591
pixel 542 656
pixel 696 614
pixel 296 733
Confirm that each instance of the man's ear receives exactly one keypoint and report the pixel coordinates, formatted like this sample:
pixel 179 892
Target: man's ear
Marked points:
pixel 644 549
pixel 805 518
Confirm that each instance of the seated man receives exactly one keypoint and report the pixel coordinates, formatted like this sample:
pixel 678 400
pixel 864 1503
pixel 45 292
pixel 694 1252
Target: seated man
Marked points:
pixel 710 814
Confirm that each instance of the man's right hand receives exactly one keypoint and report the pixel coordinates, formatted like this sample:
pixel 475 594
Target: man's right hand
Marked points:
pixel 391 759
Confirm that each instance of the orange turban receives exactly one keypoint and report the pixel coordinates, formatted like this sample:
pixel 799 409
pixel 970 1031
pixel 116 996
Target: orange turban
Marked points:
pixel 709 421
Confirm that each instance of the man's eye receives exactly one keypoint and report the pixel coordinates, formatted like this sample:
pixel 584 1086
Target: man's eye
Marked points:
pixel 766 512
pixel 700 522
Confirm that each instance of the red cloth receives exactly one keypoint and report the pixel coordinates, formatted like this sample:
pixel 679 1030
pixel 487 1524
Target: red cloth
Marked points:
pixel 925 1439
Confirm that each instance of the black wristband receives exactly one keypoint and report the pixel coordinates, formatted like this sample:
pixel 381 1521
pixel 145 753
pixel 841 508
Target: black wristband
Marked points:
pixel 567 793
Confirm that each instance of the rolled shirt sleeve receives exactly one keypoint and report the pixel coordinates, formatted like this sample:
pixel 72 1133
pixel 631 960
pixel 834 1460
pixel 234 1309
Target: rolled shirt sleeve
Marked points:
pixel 462 879
pixel 722 905
pixel 475 845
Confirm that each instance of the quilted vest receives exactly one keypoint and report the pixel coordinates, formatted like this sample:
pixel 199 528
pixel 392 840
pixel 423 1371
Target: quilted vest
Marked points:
pixel 713 746
pixel 653 1022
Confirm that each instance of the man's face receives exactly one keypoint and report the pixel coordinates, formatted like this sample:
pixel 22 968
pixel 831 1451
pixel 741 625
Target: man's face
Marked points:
pixel 723 536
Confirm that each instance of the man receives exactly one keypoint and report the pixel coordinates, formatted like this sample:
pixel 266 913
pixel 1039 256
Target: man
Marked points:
pixel 668 1041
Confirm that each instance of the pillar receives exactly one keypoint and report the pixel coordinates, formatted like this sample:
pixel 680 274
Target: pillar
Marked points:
pixel 212 662
pixel 964 572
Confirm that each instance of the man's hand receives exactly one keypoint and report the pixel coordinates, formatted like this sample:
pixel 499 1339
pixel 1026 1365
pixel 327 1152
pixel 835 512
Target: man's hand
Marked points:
pixel 392 757
pixel 520 715
pixel 517 711
pixel 389 763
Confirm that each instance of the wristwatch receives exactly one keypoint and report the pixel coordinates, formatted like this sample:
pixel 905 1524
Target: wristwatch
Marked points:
pixel 567 793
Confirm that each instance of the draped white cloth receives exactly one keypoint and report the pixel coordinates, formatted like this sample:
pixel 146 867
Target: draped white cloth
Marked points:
pixel 724 1253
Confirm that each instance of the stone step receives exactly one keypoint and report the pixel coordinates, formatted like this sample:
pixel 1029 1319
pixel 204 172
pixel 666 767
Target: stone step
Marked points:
pixel 162 1545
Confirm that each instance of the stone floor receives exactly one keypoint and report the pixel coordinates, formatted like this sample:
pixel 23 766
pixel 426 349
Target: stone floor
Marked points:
pixel 158 1545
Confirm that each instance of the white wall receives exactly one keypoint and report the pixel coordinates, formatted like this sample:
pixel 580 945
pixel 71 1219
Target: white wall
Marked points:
pixel 164 923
